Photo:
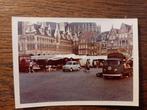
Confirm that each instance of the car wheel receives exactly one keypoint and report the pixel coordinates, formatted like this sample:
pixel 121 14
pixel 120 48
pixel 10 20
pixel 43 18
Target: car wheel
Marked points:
pixel 71 69
pixel 78 69
pixel 98 75
pixel 122 76
pixel 104 77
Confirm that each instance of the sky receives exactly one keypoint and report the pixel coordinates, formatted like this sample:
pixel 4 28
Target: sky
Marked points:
pixel 106 24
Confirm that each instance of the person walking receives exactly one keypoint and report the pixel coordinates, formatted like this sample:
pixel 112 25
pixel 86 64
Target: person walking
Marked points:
pixel 31 66
pixel 99 69
pixel 88 65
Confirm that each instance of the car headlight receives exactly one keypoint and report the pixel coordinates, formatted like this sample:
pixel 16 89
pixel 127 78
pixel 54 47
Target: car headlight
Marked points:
pixel 109 67
pixel 115 69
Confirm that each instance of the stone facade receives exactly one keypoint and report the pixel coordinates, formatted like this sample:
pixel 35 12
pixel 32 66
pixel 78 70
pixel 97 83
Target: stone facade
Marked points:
pixel 88 45
pixel 73 38
pixel 120 40
pixel 38 39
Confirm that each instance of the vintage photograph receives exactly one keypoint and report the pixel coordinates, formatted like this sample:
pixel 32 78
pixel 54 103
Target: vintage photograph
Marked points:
pixel 75 61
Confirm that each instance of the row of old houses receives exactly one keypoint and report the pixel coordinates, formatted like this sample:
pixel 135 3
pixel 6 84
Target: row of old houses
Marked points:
pixel 116 40
pixel 51 38
pixel 121 40
pixel 73 38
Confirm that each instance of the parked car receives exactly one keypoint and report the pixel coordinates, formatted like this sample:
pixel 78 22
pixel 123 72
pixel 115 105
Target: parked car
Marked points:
pixel 36 68
pixel 71 66
pixel 115 67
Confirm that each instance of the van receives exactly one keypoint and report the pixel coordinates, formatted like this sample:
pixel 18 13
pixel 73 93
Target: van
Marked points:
pixel 115 67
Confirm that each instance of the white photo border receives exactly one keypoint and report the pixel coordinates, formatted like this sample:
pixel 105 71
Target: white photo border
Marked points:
pixel 135 101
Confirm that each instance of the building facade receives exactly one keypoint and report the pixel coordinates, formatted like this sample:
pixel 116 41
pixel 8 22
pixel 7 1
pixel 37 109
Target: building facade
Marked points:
pixel 45 38
pixel 120 40
pixel 41 39
pixel 102 40
pixel 84 27
pixel 88 45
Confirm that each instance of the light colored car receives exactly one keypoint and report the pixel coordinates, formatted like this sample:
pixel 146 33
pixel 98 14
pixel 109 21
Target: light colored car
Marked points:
pixel 71 66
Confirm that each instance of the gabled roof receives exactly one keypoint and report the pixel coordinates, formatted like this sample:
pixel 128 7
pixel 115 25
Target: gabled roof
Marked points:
pixel 125 27
pixel 114 30
pixel 102 35
pixel 89 36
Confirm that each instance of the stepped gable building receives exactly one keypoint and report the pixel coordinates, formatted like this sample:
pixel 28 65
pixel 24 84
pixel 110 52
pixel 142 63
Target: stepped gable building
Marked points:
pixel 88 44
pixel 113 36
pixel 102 40
pixel 84 27
pixel 120 40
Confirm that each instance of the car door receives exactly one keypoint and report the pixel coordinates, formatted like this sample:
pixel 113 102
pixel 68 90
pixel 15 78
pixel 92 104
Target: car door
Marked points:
pixel 74 65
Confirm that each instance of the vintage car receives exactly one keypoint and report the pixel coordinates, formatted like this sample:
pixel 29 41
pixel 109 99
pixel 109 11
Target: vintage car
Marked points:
pixel 115 67
pixel 71 66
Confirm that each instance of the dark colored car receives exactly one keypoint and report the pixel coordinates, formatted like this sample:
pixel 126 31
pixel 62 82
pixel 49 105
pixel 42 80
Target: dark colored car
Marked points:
pixel 115 67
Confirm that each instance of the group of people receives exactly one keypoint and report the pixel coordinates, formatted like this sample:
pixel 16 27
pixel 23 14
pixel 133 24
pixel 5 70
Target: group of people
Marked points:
pixel 87 65
pixel 99 65
pixel 35 66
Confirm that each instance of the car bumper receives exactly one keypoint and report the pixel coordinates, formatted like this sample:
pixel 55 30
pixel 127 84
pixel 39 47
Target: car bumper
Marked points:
pixel 113 75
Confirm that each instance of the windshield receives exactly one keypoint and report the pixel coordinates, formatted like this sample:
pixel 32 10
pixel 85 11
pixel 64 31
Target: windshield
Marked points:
pixel 113 62
pixel 69 63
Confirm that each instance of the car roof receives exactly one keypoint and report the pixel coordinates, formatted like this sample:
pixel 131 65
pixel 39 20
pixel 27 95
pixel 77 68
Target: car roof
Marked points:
pixel 72 61
pixel 114 59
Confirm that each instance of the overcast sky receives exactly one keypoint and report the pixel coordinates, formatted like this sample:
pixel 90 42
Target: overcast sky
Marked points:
pixel 106 24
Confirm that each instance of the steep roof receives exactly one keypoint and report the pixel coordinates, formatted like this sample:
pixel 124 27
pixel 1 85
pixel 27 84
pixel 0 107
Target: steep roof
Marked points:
pixel 125 27
pixel 89 36
pixel 102 35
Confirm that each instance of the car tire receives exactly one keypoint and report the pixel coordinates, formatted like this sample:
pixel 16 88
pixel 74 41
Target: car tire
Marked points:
pixel 122 76
pixel 104 77
pixel 71 70
pixel 97 75
pixel 78 69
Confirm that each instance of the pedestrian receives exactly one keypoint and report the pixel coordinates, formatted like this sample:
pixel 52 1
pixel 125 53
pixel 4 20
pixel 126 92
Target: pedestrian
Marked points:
pixel 88 65
pixel 31 66
pixel 99 69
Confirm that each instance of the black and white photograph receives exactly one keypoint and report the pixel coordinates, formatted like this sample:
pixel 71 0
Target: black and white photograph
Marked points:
pixel 75 61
